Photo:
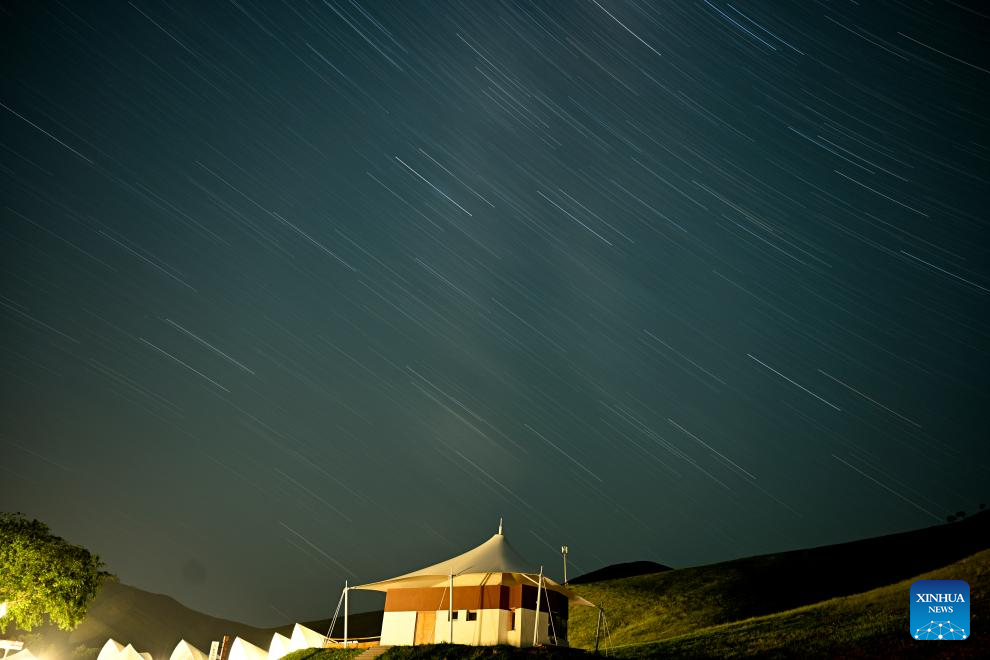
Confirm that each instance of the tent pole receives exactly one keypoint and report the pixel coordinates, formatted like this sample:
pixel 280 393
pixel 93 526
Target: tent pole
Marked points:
pixel 553 628
pixel 333 621
pixel 598 629
pixel 450 609
pixel 346 613
pixel 536 620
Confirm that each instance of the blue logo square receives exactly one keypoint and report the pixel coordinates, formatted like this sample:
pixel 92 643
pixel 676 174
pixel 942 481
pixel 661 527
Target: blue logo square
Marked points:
pixel 940 610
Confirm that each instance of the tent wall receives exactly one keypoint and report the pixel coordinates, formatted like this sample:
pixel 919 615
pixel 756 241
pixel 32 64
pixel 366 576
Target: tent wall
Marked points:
pixel 399 628
pixel 490 627
pixel 523 633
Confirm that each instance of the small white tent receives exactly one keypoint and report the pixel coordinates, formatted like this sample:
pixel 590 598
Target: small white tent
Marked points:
pixel 281 645
pixel 23 654
pixel 130 653
pixel 110 651
pixel 304 638
pixel 242 650
pixel 186 651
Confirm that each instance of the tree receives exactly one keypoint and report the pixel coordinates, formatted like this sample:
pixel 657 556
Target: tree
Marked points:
pixel 43 574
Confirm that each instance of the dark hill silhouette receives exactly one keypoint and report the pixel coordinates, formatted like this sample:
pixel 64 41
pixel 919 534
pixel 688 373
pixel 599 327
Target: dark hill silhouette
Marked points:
pixel 789 579
pixel 616 571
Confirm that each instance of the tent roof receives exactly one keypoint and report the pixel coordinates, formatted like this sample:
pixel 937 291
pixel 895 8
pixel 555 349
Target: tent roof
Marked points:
pixel 494 556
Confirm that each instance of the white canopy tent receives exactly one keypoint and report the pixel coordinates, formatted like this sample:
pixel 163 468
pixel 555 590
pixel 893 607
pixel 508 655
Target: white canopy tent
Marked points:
pixel 280 646
pixel 23 654
pixel 493 564
pixel 244 650
pixel 110 651
pixel 130 653
pixel 305 638
pixel 186 651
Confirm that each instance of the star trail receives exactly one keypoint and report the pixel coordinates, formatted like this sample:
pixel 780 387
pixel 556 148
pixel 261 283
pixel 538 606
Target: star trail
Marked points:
pixel 300 292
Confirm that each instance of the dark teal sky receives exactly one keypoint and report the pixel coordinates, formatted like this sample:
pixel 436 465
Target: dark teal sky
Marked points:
pixel 300 292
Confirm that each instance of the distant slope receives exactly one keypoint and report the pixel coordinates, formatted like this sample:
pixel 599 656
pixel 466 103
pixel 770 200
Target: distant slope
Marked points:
pixel 616 571
pixel 662 605
pixel 152 622
pixel 872 624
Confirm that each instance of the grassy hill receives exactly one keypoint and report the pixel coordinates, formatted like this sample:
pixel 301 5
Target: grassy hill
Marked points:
pixel 873 624
pixel 450 652
pixel 673 603
pixel 324 654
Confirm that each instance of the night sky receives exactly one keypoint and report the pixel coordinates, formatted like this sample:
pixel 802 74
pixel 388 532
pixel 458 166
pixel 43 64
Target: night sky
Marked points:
pixel 300 292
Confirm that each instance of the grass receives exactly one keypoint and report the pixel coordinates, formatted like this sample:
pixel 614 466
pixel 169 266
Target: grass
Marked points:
pixel 463 652
pixel 870 624
pixel 323 654
pixel 648 607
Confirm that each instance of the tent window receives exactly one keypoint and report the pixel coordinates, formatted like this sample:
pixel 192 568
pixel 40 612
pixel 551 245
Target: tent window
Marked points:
pixel 512 619
pixel 456 612
pixel 472 616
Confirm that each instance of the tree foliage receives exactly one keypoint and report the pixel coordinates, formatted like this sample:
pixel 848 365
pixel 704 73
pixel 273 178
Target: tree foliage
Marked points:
pixel 43 574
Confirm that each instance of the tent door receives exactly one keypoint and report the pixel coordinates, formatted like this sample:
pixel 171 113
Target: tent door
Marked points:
pixel 426 623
